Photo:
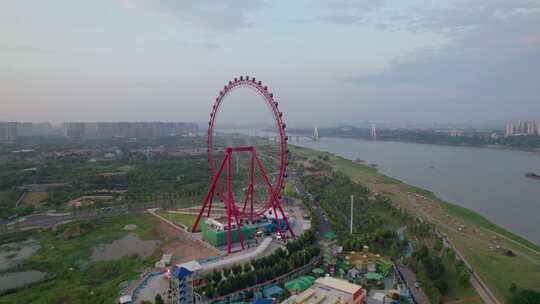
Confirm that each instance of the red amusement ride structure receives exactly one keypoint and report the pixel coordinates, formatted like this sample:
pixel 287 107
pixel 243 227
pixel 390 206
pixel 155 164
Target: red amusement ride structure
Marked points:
pixel 246 205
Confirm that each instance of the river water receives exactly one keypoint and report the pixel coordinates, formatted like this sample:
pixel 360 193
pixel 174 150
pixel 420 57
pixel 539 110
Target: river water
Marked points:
pixel 489 181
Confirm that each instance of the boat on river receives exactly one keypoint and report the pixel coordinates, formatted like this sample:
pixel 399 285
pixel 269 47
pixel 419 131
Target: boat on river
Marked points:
pixel 532 175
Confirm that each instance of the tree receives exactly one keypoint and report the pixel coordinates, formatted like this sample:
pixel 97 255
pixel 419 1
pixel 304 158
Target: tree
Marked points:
pixel 463 273
pixel 513 288
pixel 216 276
pixel 524 296
pixel 438 245
pixel 237 269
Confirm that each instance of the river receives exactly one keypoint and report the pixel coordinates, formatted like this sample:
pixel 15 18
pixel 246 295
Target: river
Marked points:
pixel 491 182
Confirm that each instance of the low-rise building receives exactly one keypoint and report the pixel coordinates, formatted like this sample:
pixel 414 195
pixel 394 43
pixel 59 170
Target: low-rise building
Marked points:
pixel 328 290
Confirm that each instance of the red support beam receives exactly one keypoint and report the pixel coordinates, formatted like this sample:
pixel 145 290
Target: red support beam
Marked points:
pixel 210 195
pixel 274 195
pixel 229 201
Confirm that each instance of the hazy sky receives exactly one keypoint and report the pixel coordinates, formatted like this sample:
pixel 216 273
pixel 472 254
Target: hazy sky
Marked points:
pixel 327 61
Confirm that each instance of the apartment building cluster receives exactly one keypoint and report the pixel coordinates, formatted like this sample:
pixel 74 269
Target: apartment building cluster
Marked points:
pixel 144 129
pixel 127 129
pixel 8 131
pixel 523 128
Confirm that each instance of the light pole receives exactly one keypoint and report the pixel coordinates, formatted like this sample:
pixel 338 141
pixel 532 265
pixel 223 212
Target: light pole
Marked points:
pixel 352 204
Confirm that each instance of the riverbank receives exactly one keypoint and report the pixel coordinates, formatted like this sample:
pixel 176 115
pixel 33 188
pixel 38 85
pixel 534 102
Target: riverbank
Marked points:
pixel 497 255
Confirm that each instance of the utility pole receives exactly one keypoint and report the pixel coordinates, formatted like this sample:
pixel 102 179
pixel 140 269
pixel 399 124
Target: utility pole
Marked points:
pixel 352 204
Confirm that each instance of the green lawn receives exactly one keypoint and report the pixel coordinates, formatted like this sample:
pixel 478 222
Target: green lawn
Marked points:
pixel 184 219
pixel 481 221
pixel 456 290
pixel 72 277
pixel 499 271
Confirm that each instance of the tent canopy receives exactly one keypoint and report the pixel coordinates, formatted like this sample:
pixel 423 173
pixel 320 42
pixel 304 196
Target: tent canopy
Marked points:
pixel 318 271
pixel 330 235
pixel 300 284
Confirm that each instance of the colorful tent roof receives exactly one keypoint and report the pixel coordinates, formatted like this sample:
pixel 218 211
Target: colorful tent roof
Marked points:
pixel 330 235
pixel 300 284
pixel 318 271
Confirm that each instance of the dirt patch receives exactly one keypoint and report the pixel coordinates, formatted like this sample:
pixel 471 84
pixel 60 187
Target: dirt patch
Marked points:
pixel 21 278
pixel 131 244
pixel 182 246
pixel 34 198
pixel 88 200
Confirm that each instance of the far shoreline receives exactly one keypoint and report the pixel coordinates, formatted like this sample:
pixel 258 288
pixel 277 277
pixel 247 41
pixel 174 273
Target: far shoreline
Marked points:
pixel 494 147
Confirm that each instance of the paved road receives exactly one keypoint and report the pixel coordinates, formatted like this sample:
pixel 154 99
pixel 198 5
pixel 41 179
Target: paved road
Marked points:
pixel 324 221
pixel 410 279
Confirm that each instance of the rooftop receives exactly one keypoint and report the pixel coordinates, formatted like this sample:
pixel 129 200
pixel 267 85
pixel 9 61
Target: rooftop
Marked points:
pixel 192 266
pixel 341 285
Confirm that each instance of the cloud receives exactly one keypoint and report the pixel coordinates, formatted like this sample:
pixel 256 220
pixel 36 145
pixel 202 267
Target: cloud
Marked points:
pixel 491 61
pixel 23 49
pixel 224 16
pixel 347 12
pixel 489 39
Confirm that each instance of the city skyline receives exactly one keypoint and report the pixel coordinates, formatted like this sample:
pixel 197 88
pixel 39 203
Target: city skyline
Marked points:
pixel 381 61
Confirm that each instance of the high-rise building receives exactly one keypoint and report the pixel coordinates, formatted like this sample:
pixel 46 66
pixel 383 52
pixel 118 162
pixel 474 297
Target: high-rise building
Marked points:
pixel 373 131
pixel 8 131
pixel 74 129
pixel 24 129
pixel 522 128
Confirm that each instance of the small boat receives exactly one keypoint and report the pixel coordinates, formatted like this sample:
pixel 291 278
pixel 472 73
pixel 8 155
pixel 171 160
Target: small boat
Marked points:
pixel 532 175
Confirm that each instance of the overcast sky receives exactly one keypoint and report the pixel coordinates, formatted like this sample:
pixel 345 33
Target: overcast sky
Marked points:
pixel 327 61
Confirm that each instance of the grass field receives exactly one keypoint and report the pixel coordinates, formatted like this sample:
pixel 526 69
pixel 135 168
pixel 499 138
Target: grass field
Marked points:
pixel 71 276
pixel 7 203
pixel 456 290
pixel 184 219
pixel 476 241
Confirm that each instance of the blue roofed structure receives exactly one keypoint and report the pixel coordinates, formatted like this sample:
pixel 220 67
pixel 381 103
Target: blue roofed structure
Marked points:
pixel 262 301
pixel 180 272
pixel 181 285
pixel 272 291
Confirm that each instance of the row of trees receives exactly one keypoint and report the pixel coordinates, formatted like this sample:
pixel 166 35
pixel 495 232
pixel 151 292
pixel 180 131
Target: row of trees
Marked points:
pixel 299 252
pixel 523 296
pixel 376 218
pixel 430 270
